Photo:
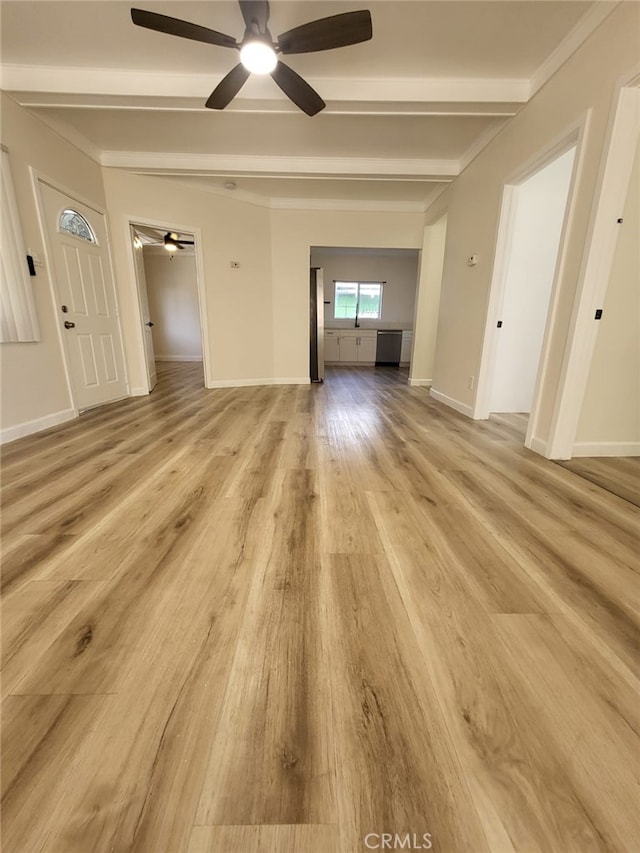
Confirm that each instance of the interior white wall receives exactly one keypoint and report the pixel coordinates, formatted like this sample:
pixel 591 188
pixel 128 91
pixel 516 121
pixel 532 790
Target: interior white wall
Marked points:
pixel 172 291
pixel 35 392
pixel 399 270
pixel 238 300
pixel 583 88
pixel 293 233
pixel 610 419
pixel 536 226
pixel 428 303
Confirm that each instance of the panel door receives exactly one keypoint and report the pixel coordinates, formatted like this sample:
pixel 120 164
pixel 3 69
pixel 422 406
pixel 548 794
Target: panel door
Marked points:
pixel 83 284
pixel 147 322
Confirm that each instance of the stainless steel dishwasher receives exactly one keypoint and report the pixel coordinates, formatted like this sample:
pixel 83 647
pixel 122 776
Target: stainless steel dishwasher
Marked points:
pixel 388 347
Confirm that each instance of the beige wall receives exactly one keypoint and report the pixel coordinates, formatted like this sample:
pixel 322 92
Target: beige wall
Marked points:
pixel 293 232
pixel 399 271
pixel 238 301
pixel 172 291
pixel 33 380
pixel 611 407
pixel 428 302
pixel 586 83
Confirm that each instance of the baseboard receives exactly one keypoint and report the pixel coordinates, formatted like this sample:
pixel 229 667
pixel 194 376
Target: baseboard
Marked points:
pixel 178 358
pixel 421 383
pixel 538 445
pixel 606 448
pixel 463 408
pixel 29 427
pixel 245 383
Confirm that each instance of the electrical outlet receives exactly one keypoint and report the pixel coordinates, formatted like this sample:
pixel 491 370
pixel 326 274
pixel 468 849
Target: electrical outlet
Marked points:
pixel 470 382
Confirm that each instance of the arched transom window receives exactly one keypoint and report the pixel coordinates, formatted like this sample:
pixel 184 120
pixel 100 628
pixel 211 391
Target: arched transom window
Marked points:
pixel 74 223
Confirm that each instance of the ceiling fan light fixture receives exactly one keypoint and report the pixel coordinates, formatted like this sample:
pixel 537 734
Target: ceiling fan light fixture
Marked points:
pixel 171 242
pixel 258 57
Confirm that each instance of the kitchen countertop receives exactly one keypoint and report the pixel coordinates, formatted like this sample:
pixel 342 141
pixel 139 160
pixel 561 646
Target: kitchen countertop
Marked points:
pixel 366 325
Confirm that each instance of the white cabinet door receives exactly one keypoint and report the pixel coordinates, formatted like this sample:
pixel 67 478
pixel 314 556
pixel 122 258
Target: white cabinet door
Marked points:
pixel 407 345
pixel 331 346
pixel 367 343
pixel 348 346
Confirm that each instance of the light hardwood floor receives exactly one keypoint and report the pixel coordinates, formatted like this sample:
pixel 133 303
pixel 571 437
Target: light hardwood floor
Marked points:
pixel 620 475
pixel 280 619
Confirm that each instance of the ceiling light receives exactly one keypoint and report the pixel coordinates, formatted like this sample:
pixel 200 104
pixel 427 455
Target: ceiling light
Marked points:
pixel 258 57
pixel 171 242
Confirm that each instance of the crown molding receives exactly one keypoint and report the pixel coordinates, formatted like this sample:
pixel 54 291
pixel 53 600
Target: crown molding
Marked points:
pixel 277 166
pixel 589 22
pixel 74 100
pixel 133 82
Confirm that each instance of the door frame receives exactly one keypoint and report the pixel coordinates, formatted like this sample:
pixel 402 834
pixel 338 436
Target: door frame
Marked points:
pixel 38 178
pixel 131 220
pixel 139 287
pixel 572 137
pixel 610 194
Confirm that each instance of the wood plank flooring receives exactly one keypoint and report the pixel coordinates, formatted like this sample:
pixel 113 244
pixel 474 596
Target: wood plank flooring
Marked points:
pixel 291 619
pixel 619 475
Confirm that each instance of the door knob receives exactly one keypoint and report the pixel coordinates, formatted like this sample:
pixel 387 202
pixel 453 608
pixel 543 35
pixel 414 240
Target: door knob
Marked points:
pixel 69 325
pixel 149 324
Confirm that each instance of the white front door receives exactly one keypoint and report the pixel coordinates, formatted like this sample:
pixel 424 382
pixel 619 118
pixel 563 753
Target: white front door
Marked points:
pixel 85 295
pixel 147 322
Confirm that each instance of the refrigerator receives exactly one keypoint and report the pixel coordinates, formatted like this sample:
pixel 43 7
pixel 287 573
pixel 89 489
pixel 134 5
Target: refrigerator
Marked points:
pixel 316 325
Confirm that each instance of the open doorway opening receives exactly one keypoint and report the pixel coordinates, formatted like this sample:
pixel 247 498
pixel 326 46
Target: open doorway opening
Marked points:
pixel 368 300
pixel 533 220
pixel 169 299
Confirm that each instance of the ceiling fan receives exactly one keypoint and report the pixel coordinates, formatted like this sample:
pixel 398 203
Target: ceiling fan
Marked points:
pixel 258 51
pixel 171 240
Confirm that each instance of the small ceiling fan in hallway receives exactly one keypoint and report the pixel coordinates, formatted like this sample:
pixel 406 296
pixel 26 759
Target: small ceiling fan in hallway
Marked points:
pixel 259 53
pixel 172 240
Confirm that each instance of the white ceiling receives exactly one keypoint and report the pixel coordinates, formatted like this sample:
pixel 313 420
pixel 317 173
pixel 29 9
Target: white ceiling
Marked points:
pixel 405 111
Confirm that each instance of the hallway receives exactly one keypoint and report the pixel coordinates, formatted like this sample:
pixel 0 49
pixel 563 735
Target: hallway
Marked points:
pixel 293 618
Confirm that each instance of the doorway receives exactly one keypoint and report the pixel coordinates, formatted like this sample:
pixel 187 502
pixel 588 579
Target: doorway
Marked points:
pixel 532 224
pixel 85 298
pixel 168 288
pixel 367 293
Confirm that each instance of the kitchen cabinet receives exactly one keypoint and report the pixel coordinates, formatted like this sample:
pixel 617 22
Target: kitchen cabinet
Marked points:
pixel 407 345
pixel 350 346
pixel 368 341
pixel 331 345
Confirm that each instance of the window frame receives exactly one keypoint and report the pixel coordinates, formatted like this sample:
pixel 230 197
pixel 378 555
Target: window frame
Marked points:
pixel 92 239
pixel 357 316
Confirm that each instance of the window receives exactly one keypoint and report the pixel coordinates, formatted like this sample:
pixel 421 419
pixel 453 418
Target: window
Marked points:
pixel 74 223
pixel 361 299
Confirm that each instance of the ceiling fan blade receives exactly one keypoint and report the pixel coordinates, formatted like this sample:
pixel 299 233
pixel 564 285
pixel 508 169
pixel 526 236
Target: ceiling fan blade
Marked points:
pixel 152 233
pixel 327 33
pixel 228 88
pixel 176 27
pixel 255 10
pixel 297 89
